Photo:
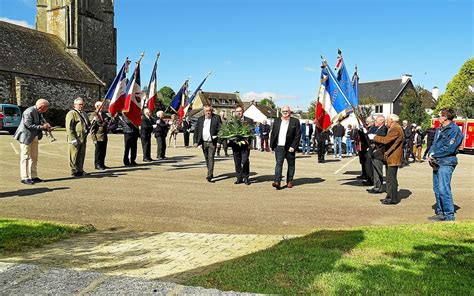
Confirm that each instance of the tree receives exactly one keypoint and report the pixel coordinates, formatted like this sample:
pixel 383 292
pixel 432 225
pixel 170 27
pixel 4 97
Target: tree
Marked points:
pixel 365 109
pixel 412 108
pixel 168 94
pixel 457 95
pixel 268 102
pixel 311 110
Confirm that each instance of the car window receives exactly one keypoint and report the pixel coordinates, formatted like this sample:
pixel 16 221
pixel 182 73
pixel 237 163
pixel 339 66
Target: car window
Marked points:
pixel 9 111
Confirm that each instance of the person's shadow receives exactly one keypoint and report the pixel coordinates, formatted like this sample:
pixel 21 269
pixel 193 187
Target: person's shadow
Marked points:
pixel 303 181
pixel 30 191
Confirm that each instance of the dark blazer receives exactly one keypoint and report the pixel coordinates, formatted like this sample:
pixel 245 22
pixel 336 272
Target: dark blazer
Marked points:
pixel 215 126
pixel 292 135
pixel 303 130
pixel 161 129
pixel 147 126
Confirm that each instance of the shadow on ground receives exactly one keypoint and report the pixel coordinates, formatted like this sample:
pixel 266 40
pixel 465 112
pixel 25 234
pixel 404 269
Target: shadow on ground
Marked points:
pixel 30 191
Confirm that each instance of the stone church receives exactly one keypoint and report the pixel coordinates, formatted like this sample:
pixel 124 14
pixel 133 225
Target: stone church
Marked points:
pixel 71 53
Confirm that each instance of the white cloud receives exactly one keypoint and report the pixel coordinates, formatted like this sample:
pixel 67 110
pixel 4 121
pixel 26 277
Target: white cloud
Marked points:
pixel 249 96
pixel 17 22
pixel 310 69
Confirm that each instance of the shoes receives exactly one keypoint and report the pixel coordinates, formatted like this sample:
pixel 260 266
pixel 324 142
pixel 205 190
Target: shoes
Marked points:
pixel 367 183
pixel 79 174
pixel 239 181
pixel 321 161
pixel 133 163
pixel 209 179
pixel 374 191
pixel 105 167
pixel 27 181
pixel 290 184
pixel 126 163
pixel 437 217
pixel 101 168
pixel 226 155
pixel 276 185
pixel 361 177
pixel 147 160
pixel 37 180
pixel 389 202
pixel 246 181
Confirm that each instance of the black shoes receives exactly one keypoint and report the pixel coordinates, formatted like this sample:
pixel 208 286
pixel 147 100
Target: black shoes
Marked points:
pixel 100 168
pixel 389 201
pixel 147 160
pixel 133 163
pixel 246 181
pixel 209 179
pixel 37 180
pixel 27 182
pixel 437 217
pixel 361 177
pixel 367 183
pixel 239 181
pixel 79 174
pixel 373 191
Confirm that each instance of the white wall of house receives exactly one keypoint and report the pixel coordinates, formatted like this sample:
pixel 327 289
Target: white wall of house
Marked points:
pixel 384 109
pixel 255 114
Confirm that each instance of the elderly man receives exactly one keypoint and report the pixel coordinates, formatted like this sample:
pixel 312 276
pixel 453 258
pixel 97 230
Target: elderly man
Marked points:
pixel 242 152
pixel 99 130
pixel 205 135
pixel 364 153
pixel 284 140
pixel 146 129
pixel 77 128
pixel 264 135
pixel 28 134
pixel 161 130
pixel 393 154
pixel 377 151
pixel 443 160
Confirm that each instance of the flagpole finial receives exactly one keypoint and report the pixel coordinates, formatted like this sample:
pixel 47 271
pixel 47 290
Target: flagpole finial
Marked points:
pixel 158 55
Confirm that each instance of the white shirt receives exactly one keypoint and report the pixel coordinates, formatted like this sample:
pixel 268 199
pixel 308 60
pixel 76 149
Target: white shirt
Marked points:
pixel 307 129
pixel 282 134
pixel 206 130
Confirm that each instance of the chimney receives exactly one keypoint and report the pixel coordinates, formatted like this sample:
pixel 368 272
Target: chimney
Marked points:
pixel 435 93
pixel 405 78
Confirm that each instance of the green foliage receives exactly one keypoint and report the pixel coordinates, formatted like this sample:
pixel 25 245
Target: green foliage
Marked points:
pixel 267 102
pixel 17 235
pixel 311 110
pixel 457 95
pixel 236 131
pixel 423 259
pixel 168 94
pixel 364 109
pixel 412 108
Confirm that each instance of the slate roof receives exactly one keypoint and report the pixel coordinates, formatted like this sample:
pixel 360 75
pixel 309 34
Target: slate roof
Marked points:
pixel 221 99
pixel 385 91
pixel 32 52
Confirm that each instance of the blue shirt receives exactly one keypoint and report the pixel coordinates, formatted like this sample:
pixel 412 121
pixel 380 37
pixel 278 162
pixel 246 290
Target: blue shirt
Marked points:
pixel 446 144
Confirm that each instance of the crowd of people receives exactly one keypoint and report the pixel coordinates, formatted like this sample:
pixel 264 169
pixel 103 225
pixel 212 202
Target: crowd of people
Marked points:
pixel 380 142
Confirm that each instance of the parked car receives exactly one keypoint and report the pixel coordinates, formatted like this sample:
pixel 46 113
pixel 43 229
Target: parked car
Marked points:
pixel 10 117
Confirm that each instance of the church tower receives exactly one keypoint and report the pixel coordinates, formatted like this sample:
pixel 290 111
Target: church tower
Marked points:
pixel 87 29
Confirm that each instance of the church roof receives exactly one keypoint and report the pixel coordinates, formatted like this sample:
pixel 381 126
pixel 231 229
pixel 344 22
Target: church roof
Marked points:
pixel 28 51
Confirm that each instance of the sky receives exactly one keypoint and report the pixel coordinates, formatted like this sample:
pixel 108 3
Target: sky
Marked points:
pixel 265 48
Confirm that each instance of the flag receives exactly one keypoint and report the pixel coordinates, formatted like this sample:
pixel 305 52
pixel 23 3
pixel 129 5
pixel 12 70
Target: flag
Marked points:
pixel 117 91
pixel 132 107
pixel 355 85
pixel 151 103
pixel 184 110
pixel 178 99
pixel 345 81
pixel 332 103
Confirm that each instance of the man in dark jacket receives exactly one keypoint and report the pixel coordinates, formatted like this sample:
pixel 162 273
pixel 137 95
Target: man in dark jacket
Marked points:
pixel 306 133
pixel 130 136
pixel 338 132
pixel 161 130
pixel 377 151
pixel 322 137
pixel 430 135
pixel 205 135
pixel 264 135
pixel 99 134
pixel 284 140
pixel 407 143
pixel 146 130
pixel 364 154
pixel 242 151
pixel 186 127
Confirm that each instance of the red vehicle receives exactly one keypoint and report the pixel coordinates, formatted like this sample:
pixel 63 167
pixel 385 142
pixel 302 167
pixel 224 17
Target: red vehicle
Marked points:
pixel 467 129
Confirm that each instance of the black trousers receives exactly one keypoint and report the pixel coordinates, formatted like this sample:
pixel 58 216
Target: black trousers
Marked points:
pixel 241 160
pixel 130 153
pixel 378 174
pixel 366 164
pixel 209 150
pixel 186 138
pixel 280 155
pixel 100 152
pixel 428 146
pixel 161 146
pixel 321 150
pixel 392 183
pixel 146 145
pixel 222 146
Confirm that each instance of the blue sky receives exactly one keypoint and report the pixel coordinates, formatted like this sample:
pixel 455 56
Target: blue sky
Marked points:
pixel 272 48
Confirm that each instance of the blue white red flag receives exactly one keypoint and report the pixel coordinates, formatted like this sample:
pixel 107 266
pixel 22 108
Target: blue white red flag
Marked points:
pixel 151 103
pixel 345 81
pixel 179 99
pixel 117 90
pixel 132 107
pixel 184 110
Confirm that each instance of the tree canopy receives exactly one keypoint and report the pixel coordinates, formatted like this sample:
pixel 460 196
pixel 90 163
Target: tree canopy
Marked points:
pixel 457 95
pixel 268 102
pixel 412 108
pixel 168 94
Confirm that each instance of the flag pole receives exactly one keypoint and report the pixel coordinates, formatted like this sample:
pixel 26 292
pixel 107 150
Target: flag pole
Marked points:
pixel 127 61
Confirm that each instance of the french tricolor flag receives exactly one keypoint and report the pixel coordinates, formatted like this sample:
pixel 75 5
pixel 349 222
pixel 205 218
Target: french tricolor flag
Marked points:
pixel 151 103
pixel 132 107
pixel 117 91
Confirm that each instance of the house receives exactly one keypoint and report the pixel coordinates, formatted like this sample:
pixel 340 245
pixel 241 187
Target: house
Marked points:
pixel 259 112
pixel 219 101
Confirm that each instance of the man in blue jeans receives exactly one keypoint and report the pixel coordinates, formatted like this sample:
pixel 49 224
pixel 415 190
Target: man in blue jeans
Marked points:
pixel 443 160
pixel 306 133
pixel 338 132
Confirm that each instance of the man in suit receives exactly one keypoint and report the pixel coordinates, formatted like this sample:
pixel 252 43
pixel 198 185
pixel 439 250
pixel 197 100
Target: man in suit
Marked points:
pixel 146 129
pixel 186 127
pixel 377 151
pixel 407 143
pixel 322 138
pixel 222 143
pixel 306 132
pixel 130 137
pixel 99 130
pixel 161 130
pixel 284 140
pixel 364 153
pixel 77 128
pixel 393 142
pixel 264 135
pixel 242 151
pixel 205 135
pixel 28 134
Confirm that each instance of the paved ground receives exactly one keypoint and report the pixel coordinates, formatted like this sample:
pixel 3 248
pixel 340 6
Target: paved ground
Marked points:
pixel 164 221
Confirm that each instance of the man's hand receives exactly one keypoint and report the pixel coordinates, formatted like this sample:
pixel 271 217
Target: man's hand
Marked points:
pixel 74 142
pixel 95 142
pixel 46 127
pixel 195 145
pixel 291 150
pixel 371 136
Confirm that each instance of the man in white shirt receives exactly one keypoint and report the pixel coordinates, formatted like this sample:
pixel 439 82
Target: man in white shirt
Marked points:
pixel 284 140
pixel 205 135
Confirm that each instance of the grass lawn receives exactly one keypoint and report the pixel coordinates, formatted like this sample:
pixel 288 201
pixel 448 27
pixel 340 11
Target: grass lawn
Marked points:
pixel 428 259
pixel 18 235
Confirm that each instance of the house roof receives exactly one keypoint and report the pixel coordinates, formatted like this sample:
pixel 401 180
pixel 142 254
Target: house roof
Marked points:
pixel 266 110
pixel 220 99
pixel 28 51
pixel 385 91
